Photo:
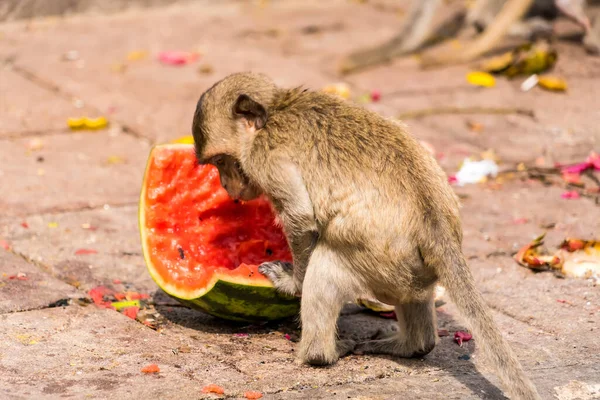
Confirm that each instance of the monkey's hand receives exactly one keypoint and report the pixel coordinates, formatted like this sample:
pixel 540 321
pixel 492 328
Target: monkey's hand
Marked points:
pixel 282 275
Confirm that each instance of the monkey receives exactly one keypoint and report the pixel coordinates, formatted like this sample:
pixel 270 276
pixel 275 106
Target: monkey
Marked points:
pixel 366 209
pixel 494 18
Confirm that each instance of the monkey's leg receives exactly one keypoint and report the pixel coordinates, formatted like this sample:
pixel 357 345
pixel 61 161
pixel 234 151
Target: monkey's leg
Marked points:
pixel 511 12
pixel 416 336
pixel 591 41
pixel 578 11
pixel 413 34
pixel 327 286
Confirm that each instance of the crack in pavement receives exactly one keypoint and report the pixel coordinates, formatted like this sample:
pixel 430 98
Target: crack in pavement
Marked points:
pixel 50 86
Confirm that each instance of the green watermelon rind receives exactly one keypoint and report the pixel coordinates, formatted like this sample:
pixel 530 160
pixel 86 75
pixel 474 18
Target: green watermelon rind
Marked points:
pixel 228 297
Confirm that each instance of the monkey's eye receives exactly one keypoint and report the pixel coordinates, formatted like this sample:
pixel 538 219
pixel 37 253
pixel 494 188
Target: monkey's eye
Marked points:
pixel 219 160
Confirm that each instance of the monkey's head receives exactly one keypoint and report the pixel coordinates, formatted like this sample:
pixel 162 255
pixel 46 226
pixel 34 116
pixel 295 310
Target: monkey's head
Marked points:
pixel 227 117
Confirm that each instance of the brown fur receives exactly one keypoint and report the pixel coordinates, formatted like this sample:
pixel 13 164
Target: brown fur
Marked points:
pixel 495 17
pixel 366 209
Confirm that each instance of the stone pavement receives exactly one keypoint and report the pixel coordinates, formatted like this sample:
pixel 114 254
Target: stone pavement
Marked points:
pixel 62 191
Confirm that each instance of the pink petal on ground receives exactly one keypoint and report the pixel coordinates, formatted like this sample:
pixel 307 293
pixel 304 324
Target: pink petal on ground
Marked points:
pixel 577 168
pixel 570 195
pixel 375 95
pixel 177 57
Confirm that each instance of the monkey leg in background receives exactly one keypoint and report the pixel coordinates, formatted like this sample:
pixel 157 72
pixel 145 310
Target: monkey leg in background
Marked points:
pixel 512 11
pixel 412 36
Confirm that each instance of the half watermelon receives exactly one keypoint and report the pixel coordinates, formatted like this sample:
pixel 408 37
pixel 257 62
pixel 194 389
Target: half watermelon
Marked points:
pixel 201 247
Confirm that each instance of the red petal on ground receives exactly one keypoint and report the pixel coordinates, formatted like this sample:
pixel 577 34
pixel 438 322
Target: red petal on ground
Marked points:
pixel 131 312
pixel 213 389
pixel 82 252
pixel 97 295
pixel 151 369
pixel 460 337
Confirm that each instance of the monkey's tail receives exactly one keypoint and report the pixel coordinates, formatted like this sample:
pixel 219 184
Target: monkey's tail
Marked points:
pixel 456 277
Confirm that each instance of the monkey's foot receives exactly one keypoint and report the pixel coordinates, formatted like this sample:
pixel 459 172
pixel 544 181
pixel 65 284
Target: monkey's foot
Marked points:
pixel 591 41
pixel 282 275
pixel 314 356
pixel 393 344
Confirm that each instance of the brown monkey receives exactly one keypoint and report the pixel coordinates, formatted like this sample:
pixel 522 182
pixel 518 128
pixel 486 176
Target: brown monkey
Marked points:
pixel 366 209
pixel 495 17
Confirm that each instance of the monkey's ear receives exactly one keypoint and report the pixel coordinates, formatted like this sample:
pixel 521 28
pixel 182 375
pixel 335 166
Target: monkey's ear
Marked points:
pixel 254 113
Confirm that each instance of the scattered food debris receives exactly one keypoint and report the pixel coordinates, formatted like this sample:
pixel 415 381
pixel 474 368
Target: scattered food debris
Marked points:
pixel 520 221
pixel 253 395
pixel 529 83
pixel 476 171
pixel 136 55
pixel 87 123
pixel 460 337
pixel 83 252
pixel 206 69
pixel 475 126
pixel 213 389
pixel 115 160
pixel 483 79
pixel 4 244
pixel 151 369
pixel 131 312
pixel 242 335
pixel 287 336
pixel 339 89
pixel 177 57
pixel 25 225
pixel 21 276
pixel 552 83
pixel 35 144
pixel 443 333
pixel 52 224
pixel 120 305
pixel 576 258
pixel 528 59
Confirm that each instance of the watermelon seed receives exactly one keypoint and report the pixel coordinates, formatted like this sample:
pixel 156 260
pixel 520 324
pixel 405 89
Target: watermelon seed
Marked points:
pixel 181 253
pixel 269 252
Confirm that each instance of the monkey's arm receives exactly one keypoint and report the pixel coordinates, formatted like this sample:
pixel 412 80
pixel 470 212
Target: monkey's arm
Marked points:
pixel 512 11
pixel 295 209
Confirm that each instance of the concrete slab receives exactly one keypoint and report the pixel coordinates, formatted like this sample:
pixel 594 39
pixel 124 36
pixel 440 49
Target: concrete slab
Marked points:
pixel 112 233
pixel 18 116
pixel 71 171
pixel 98 353
pixel 24 286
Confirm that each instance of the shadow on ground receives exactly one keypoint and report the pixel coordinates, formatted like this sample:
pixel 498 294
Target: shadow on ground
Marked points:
pixel 354 323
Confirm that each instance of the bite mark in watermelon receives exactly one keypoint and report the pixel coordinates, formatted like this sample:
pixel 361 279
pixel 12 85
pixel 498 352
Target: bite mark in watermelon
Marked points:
pixel 203 248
